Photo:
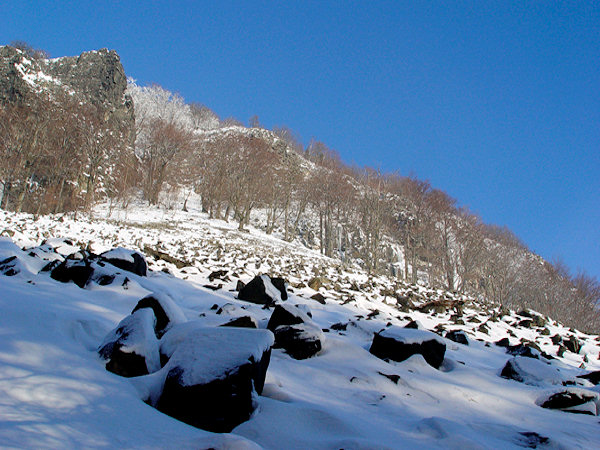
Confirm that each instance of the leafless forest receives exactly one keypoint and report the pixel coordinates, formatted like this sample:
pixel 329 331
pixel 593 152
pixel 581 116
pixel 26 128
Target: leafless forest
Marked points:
pixel 58 154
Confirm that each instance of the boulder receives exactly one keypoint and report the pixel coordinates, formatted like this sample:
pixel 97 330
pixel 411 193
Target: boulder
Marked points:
pixel 573 400
pixel 9 266
pixel 534 372
pixel 527 350
pixel 319 298
pixel 287 315
pixel 315 283
pixel 504 342
pixel 280 284
pixel 592 377
pixel 242 322
pixel 458 336
pixel 128 260
pixel 572 344
pixel 399 344
pixel 261 290
pixel 131 349
pixel 300 341
pixel 295 332
pixel 167 313
pixel 79 271
pixel 212 374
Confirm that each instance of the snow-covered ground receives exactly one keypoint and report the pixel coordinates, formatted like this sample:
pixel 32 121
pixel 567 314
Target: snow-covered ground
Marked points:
pixel 56 393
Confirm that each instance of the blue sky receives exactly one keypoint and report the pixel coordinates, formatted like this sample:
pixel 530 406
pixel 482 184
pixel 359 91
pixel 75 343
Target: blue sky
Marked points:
pixel 497 103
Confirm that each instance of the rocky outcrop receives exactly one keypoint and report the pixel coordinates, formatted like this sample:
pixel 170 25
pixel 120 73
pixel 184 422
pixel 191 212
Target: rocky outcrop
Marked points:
pixel 97 77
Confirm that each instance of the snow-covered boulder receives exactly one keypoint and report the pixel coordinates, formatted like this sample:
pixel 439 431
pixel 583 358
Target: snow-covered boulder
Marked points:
pixel 592 377
pixel 212 374
pixel 300 341
pixel 78 271
pixel 167 313
pixel 128 260
pixel 573 400
pixel 242 322
pixel 533 371
pixel 458 336
pixel 131 349
pixel 295 332
pixel 399 344
pixel 285 314
pixel 261 290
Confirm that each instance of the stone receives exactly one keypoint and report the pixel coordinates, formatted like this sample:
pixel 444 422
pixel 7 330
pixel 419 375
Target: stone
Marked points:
pixel 592 377
pixel 261 291
pixel 572 344
pixel 399 344
pixel 77 271
pixel 527 350
pixel 319 298
pixel 300 341
pixel 504 342
pixel 315 283
pixel 131 349
pixel 286 315
pixel 534 372
pixel 128 260
pixel 242 322
pixel 573 400
pixel 213 373
pixel 458 336
pixel 280 284
pixel 167 313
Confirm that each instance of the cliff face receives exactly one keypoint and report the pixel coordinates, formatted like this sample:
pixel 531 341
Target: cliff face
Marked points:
pixel 96 77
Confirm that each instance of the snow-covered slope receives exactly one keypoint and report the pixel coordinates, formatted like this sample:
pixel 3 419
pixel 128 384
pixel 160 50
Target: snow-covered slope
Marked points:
pixel 56 393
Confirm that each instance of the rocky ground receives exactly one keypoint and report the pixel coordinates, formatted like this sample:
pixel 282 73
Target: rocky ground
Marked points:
pixel 340 359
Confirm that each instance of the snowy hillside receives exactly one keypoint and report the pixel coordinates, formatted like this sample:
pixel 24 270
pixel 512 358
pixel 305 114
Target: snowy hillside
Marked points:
pixel 498 367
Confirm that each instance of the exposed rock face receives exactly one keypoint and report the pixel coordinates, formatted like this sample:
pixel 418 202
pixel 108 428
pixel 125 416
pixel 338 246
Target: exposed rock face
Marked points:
pixel 97 77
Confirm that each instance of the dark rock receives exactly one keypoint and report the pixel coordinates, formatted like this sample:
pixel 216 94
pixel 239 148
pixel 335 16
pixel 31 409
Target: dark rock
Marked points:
pixel 160 255
pixel 525 323
pixel 213 392
pixel 572 344
pixel 8 266
pixel 128 260
pixel 239 285
pixel 105 280
pixel 414 325
pixel 339 326
pixel 77 271
pixel 545 332
pixel 526 350
pixel 504 342
pixel 280 284
pixel 458 336
pixel 393 378
pixel 556 339
pixel 286 315
pixel 510 371
pixel 167 313
pixel 242 322
pixel 399 344
pixel 561 351
pixel 592 377
pixel 213 288
pixel 319 298
pixel 300 341
pixel 131 349
pixel 530 439
pixel 217 274
pixel 260 290
pixel 573 400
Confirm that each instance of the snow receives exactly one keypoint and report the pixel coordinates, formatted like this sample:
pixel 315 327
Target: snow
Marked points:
pixel 119 253
pixel 208 354
pixel 56 393
pixel 410 335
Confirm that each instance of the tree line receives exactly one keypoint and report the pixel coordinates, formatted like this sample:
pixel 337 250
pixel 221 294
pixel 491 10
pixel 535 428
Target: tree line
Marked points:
pixel 58 154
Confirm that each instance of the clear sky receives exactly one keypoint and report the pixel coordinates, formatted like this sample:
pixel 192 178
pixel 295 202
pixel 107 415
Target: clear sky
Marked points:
pixel 495 102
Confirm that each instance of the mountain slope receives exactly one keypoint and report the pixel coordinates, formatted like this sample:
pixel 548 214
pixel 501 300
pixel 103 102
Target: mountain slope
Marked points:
pixel 56 391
